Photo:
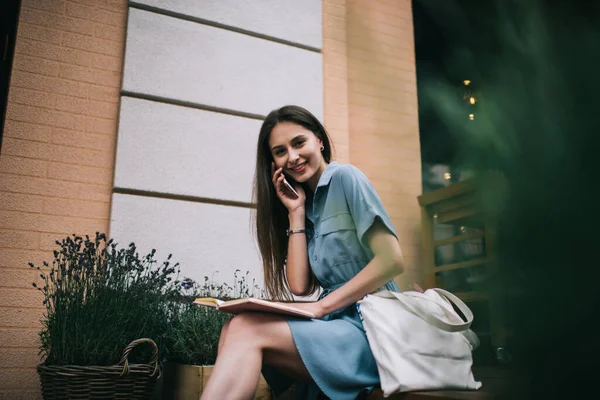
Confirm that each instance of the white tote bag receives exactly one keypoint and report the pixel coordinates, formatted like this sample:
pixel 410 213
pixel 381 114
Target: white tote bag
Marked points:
pixel 419 342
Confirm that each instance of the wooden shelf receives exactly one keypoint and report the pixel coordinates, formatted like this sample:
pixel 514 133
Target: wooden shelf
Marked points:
pixel 462 264
pixel 458 238
pixel 457 205
pixel 465 200
pixel 447 192
pixel 461 214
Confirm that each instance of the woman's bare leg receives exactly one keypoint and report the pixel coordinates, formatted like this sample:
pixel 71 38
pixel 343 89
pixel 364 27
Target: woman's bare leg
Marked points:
pixel 222 336
pixel 249 341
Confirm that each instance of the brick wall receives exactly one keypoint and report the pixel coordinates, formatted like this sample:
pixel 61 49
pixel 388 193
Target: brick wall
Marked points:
pixel 371 106
pixel 57 156
pixel 335 77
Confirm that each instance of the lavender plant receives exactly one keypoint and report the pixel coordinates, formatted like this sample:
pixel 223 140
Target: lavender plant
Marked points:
pixel 194 331
pixel 99 298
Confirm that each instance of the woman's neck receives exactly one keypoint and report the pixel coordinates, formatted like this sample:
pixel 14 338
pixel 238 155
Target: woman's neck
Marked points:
pixel 314 180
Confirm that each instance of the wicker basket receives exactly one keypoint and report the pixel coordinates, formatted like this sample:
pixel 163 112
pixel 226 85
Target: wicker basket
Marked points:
pixel 121 381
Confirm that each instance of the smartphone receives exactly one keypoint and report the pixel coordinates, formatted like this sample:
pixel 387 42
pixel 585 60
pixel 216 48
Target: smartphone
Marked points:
pixel 290 188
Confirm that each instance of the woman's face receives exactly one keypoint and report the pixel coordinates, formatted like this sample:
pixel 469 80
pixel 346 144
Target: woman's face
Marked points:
pixel 298 151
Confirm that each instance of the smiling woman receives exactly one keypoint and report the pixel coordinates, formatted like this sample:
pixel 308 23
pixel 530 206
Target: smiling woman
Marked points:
pixel 296 151
pixel 335 235
pixel 289 137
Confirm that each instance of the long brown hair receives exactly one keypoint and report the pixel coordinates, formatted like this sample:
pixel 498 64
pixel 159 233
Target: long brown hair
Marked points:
pixel 271 218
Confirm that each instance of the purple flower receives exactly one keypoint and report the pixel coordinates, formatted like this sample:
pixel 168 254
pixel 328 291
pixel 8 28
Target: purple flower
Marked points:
pixel 187 283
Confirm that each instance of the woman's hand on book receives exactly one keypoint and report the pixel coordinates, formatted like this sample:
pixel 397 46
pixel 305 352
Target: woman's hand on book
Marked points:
pixel 313 307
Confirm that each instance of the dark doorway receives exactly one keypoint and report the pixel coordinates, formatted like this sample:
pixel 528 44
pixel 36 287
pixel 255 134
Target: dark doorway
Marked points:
pixel 9 15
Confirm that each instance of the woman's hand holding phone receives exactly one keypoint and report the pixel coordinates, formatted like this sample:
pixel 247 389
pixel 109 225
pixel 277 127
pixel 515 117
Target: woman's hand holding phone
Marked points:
pixel 292 197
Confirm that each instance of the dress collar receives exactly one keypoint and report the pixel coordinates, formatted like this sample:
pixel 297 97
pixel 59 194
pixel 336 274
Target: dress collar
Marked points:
pixel 327 173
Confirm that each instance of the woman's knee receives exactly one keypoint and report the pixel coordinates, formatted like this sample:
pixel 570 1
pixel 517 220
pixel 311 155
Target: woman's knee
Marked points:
pixel 244 324
pixel 252 328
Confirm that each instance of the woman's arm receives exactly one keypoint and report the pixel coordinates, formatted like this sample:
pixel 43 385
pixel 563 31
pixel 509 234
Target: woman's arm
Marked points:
pixel 385 266
pixel 298 268
pixel 387 263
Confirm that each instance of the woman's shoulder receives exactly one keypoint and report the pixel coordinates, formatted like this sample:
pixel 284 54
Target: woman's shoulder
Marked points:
pixel 348 173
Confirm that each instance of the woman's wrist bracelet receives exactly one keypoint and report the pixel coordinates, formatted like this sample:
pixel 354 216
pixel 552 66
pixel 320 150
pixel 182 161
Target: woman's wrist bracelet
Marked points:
pixel 292 231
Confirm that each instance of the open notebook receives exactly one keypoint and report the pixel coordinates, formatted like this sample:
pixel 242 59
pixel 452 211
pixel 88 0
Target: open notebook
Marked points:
pixel 239 306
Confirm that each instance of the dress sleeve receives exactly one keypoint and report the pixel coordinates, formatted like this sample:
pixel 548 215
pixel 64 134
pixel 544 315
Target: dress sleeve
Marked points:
pixel 363 202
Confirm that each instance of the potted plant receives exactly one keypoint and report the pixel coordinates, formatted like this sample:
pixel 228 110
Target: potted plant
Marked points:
pixel 194 336
pixel 101 302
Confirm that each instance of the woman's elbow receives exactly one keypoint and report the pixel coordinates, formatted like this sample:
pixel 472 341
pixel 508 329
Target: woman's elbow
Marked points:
pixel 298 290
pixel 397 263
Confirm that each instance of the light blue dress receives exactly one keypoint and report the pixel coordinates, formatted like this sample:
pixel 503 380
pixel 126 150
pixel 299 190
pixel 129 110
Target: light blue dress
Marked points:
pixel 335 349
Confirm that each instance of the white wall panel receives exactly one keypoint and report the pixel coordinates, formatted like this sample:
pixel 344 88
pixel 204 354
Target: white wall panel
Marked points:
pixel 292 20
pixel 181 150
pixel 203 238
pixel 183 60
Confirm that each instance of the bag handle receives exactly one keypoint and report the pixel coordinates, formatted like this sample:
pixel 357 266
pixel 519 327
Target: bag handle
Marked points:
pixel 429 317
pixel 466 311
pixel 458 303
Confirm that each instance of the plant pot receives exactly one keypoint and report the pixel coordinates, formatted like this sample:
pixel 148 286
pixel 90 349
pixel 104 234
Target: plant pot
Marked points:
pixel 186 382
